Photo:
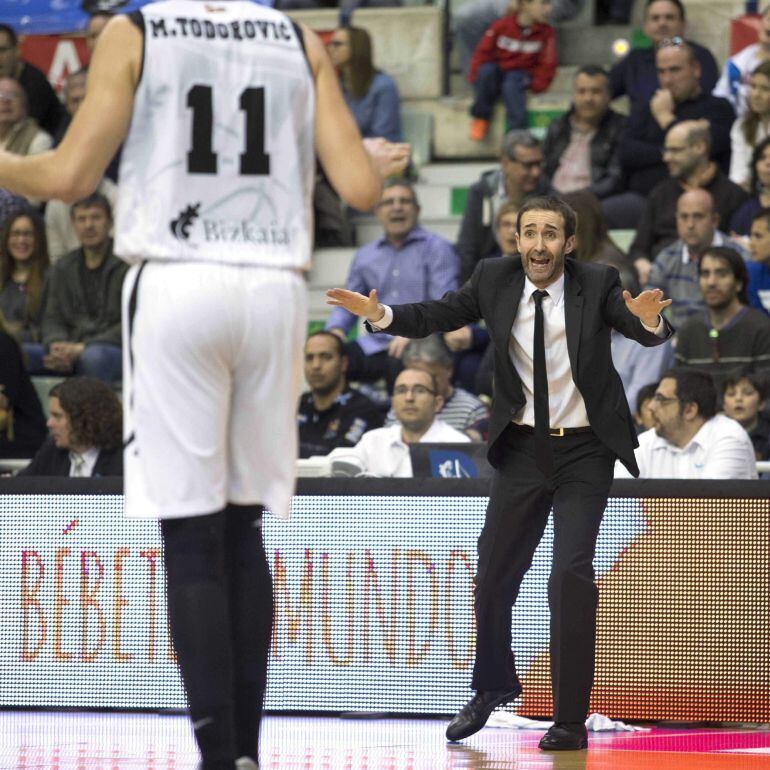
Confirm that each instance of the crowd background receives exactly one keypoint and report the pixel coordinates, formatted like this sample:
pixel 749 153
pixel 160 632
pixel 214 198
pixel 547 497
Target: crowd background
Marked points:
pixel 668 146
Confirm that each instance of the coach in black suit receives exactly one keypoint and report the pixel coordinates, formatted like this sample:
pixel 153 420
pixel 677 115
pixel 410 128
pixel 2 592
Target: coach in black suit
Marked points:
pixel 559 421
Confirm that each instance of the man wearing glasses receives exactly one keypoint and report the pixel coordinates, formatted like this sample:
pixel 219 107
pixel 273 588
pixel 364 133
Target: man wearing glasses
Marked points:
pixel 385 451
pixel 689 440
pixel 519 176
pixel 406 264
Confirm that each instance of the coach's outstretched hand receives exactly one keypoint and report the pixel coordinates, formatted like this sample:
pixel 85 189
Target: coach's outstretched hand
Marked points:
pixel 647 306
pixel 390 158
pixel 358 304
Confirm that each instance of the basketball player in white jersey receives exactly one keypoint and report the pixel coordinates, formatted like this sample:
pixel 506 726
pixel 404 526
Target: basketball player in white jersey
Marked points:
pixel 223 107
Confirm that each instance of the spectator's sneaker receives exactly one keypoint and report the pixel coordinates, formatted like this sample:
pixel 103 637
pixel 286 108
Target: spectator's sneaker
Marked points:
pixel 479 128
pixel 246 763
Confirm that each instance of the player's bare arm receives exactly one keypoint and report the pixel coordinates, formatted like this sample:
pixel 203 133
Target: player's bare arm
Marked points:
pixel 354 170
pixel 75 167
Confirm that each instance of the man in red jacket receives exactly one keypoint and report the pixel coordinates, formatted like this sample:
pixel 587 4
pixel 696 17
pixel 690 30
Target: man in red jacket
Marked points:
pixel 517 52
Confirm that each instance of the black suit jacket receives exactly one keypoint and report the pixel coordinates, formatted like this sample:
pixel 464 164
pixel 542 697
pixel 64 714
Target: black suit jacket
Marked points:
pixel 52 461
pixel 593 306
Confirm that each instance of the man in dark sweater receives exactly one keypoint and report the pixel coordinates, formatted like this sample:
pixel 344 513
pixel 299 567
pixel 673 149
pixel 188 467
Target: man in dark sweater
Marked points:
pixel 686 151
pixel 331 414
pixel 42 102
pixel 635 74
pixel 730 334
pixel 81 325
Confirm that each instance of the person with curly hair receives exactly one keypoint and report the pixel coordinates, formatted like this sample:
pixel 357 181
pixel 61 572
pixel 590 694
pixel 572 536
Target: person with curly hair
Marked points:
pixel 24 263
pixel 86 432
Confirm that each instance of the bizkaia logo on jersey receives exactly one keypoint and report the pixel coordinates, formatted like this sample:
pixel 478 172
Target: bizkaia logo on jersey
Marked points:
pixel 192 227
pixel 180 227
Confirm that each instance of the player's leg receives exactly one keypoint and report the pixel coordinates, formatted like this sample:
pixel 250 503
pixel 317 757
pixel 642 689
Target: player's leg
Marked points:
pixel 250 588
pixel 263 450
pixel 199 619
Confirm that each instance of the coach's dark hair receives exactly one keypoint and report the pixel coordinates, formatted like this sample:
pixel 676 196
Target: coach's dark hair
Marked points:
pixel 737 265
pixel 11 32
pixel 549 203
pixel 341 347
pixel 694 386
pixel 94 412
pixel 757 380
pixel 94 199
pixel 677 3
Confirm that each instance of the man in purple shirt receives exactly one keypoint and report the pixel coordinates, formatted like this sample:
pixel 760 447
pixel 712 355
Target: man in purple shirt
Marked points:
pixel 408 264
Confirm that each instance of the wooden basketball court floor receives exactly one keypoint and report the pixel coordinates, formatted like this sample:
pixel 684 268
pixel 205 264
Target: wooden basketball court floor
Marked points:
pixel 88 741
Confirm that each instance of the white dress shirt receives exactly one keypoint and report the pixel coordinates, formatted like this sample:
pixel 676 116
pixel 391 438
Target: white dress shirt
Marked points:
pixel 721 449
pixel 382 451
pixel 566 407
pixel 82 465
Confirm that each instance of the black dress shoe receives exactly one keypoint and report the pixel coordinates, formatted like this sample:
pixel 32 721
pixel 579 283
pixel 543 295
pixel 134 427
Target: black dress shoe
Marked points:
pixel 565 736
pixel 474 714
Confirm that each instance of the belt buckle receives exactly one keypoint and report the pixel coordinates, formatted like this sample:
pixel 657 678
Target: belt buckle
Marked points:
pixel 557 432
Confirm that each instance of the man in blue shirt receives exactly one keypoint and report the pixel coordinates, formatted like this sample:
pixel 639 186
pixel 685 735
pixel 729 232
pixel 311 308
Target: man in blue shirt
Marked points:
pixel 407 264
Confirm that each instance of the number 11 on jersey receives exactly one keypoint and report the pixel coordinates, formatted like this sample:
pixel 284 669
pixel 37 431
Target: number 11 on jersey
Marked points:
pixel 201 159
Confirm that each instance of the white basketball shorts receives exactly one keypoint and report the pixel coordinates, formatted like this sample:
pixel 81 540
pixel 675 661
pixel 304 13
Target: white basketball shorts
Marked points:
pixel 212 373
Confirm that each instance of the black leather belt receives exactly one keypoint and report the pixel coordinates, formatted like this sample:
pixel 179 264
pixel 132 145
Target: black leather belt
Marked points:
pixel 555 432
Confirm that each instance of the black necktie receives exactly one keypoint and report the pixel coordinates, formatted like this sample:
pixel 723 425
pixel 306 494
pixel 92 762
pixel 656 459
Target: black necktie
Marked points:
pixel 542 420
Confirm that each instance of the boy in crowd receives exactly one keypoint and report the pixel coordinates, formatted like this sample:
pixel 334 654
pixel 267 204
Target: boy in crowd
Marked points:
pixel 517 52
pixel 744 395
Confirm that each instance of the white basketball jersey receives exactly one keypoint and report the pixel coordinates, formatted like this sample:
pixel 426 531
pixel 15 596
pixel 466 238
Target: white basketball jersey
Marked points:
pixel 219 161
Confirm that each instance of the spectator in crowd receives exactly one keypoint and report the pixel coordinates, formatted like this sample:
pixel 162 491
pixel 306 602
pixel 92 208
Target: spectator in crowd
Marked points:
pixel 592 238
pixel 331 413
pixel 519 176
pixel 472 19
pixel 686 151
pixel 474 357
pixel 371 94
pixel 758 267
pixel 41 100
pixel 517 52
pixel 643 414
pixel 460 409
pixel 675 269
pixel 416 403
pixel 679 98
pixel 23 268
pixel 734 84
pixel 22 423
pixel 690 440
pixel 759 190
pixel 407 264
pixel 636 76
pixel 751 127
pixel 10 204
pixel 582 147
pixel 19 132
pixel 58 221
pixel 86 432
pixel 97 21
pixel 74 92
pixel 81 318
pixel 730 334
pixel 744 397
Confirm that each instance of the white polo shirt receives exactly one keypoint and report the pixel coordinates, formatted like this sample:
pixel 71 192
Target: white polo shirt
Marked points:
pixel 382 451
pixel 721 449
